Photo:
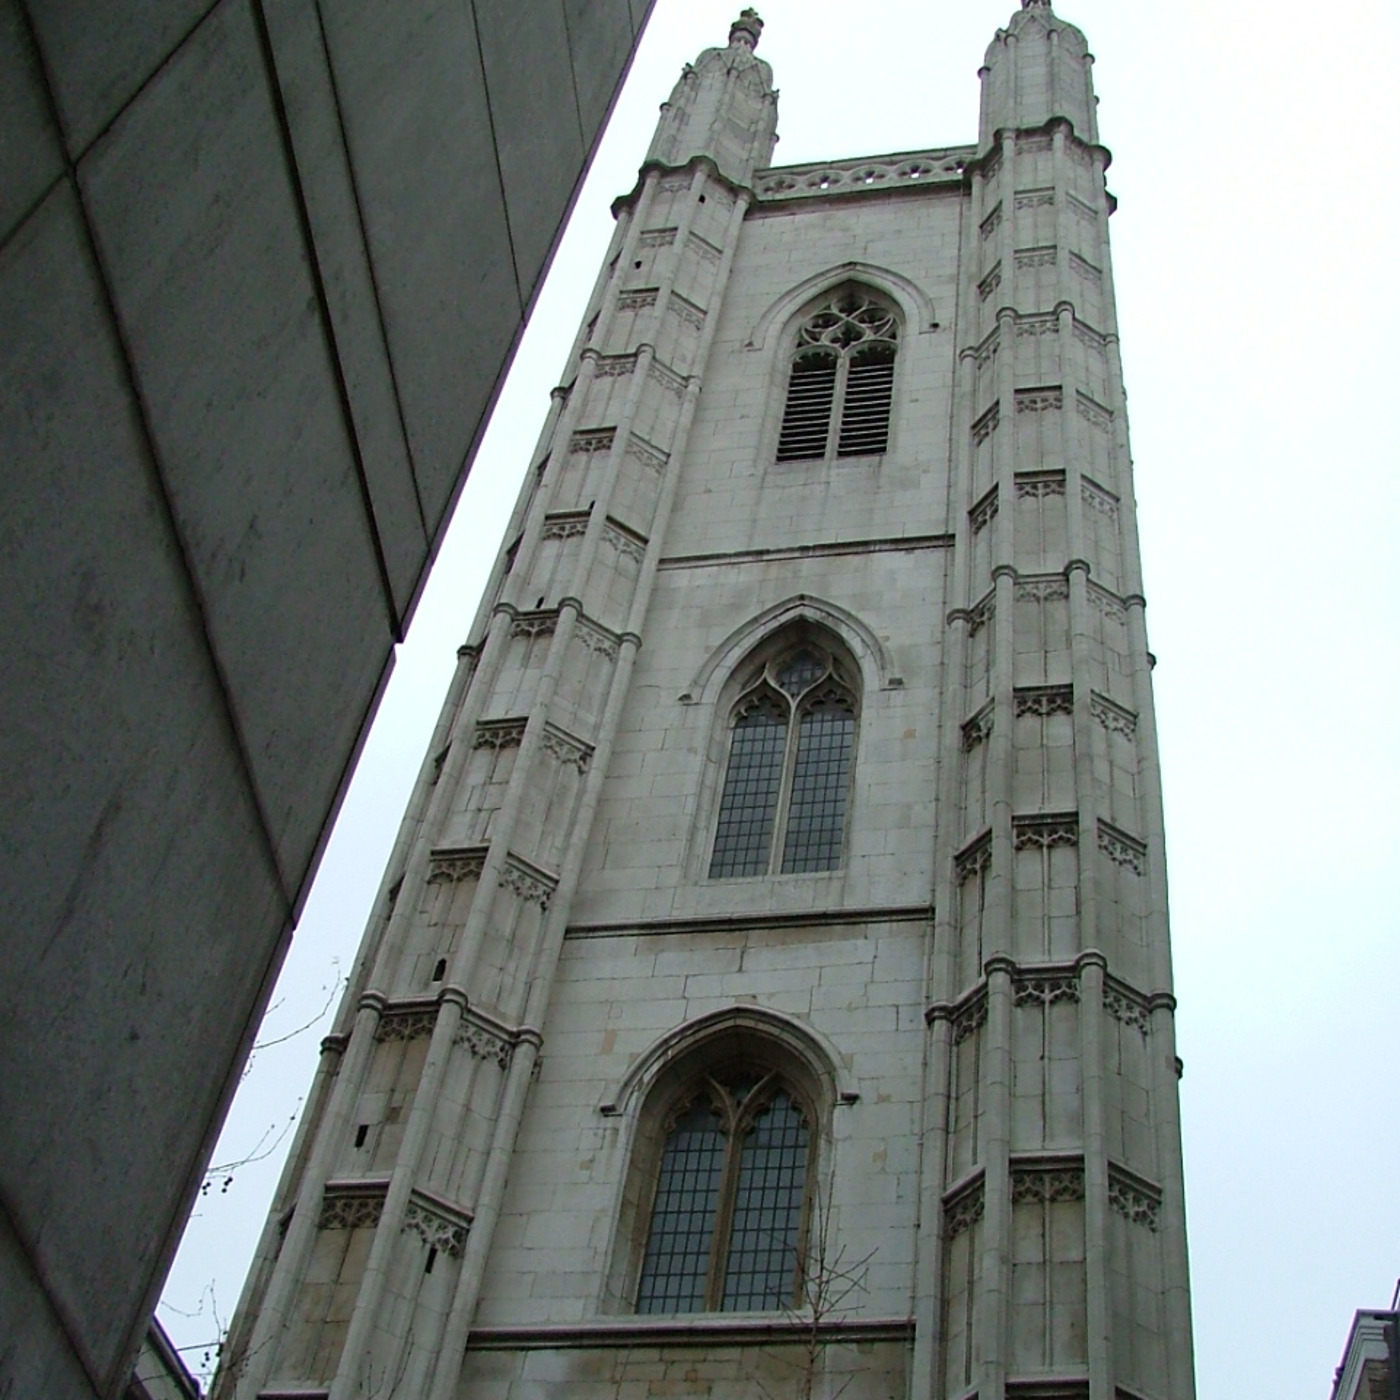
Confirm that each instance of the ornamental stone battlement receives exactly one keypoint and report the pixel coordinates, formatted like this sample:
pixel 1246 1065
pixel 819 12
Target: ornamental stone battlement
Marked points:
pixel 862 174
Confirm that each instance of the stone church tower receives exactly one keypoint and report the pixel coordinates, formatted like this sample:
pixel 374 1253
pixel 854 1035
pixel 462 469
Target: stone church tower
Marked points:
pixel 770 990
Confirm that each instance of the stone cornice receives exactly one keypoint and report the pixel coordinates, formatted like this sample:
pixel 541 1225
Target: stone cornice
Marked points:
pixel 704 923
pixel 863 175
pixel 695 1330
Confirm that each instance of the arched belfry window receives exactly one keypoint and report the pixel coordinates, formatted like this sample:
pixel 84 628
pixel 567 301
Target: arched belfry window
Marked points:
pixel 782 809
pixel 728 1214
pixel 841 383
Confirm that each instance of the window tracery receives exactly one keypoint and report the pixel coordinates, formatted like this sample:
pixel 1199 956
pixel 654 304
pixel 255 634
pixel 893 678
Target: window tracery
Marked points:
pixel 841 382
pixel 728 1215
pixel 786 789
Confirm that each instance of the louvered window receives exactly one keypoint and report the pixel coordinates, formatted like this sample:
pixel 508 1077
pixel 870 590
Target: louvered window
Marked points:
pixel 787 783
pixel 841 384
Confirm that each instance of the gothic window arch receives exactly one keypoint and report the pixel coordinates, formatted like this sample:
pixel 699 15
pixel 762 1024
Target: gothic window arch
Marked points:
pixel 733 1175
pixel 787 779
pixel 840 388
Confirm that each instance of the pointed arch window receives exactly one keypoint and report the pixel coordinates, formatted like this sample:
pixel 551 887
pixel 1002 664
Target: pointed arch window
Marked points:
pixel 729 1213
pixel 782 809
pixel 841 384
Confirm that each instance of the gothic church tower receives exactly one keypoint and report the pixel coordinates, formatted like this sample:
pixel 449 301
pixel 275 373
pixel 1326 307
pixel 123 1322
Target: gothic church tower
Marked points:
pixel 770 990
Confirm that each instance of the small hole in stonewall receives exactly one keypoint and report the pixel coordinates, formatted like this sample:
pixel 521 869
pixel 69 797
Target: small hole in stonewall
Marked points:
pixel 702 199
pixel 432 1259
pixel 360 1134
pixel 638 263
pixel 440 971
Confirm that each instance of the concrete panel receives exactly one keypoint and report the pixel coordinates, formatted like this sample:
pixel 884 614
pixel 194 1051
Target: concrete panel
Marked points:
pixel 422 159
pixel 534 111
pixel 100 54
pixel 36 1356
pixel 198 226
pixel 122 1006
pixel 601 33
pixel 323 168
pixel 31 158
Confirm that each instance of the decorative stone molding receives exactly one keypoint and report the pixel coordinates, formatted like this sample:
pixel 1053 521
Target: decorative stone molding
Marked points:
pixel 705 248
pixel 676 184
pixel 987 424
pixel 1093 412
pixel 614 366
pixel 565 526
pixel 1048 588
pixel 1043 1185
pixel 687 311
pixel 989 283
pixel 1114 718
pixel 992 223
pixel 482 1040
pixel 448 866
pixel 856 176
pixel 984 512
pixel 1037 257
pixel 1133 1198
pixel 528 882
pixel 498 733
pixel 1035 199
pixel 592 440
pixel 964 1210
pixel 1044 988
pixel 1040 400
pixel 986 353
pixel 411 1021
pixel 1039 485
pixel 620 538
pixel 656 238
pixel 1045 832
pixel 571 752
pixel 667 378
pixel 637 300
pixel 1107 603
pixel 1084 211
pixel 1125 1006
pixel 1088 336
pixel 539 623
pixel 644 452
pixel 1044 700
pixel 1034 145
pixel 981 613
pixel 1085 269
pixel 991 167
pixel 593 636
pixel 351 1208
pixel 437 1230
pixel 970 1017
pixel 1122 849
pixel 1096 498
pixel 978 729
pixel 1038 324
pixel 974 858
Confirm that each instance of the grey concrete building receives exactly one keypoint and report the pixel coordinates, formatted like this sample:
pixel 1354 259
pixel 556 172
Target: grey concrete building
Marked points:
pixel 770 989
pixel 262 266
pixel 1370 1366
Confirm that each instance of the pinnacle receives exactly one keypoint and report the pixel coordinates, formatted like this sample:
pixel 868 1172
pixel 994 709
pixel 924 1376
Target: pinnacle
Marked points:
pixel 747 28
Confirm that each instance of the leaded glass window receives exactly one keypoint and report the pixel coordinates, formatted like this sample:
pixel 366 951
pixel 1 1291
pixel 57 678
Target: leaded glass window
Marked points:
pixel 728 1215
pixel 787 783
pixel 841 384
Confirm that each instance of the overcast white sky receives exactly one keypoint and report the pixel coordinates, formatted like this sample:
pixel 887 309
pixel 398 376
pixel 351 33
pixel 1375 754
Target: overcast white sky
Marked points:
pixel 1257 262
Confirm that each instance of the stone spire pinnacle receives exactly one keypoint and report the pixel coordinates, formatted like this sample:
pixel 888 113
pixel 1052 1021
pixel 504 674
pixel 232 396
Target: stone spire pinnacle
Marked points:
pixel 724 108
pixel 1037 68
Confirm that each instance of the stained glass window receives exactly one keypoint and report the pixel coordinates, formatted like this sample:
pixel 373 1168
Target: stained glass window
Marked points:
pixel 841 385
pixel 726 1225
pixel 787 784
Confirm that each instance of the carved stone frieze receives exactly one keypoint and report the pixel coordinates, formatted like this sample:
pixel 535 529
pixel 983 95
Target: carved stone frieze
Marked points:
pixel 989 283
pixel 1083 210
pixel 1135 1200
pixel 1094 413
pixel 1035 199
pixel 498 733
pixel 565 527
pixel 1045 323
pixel 1096 498
pixel 482 1041
pixel 687 311
pixel 1044 1185
pixel 595 638
pixel 651 457
pixel 667 378
pixel 351 1210
pixel 406 1023
pixel 1114 718
pixel 992 223
pixel 592 440
pixel 656 238
pixel 978 729
pixel 984 512
pixel 1039 400
pixel 964 1210
pixel 987 424
pixel 571 752
pixel 614 366
pixel 524 880
pixel 989 349
pixel 853 176
pixel 1122 849
pixel 675 184
pixel 981 613
pixel 434 1228
pixel 1045 988
pixel 969 1018
pixel 1044 700
pixel 1126 1007
pixel 1045 832
pixel 1037 257
pixel 705 248
pixel 1085 269
pixel 1039 485
pixel 1049 589
pixel 1106 603
pixel 637 300
pixel 449 866
pixel 535 624
pixel 973 859
pixel 624 542
pixel 1088 336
